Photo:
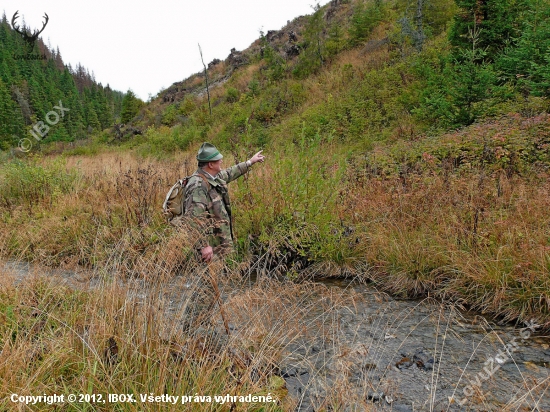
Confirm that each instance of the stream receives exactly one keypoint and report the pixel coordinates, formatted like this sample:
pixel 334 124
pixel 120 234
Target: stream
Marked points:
pixel 418 356
pixel 373 352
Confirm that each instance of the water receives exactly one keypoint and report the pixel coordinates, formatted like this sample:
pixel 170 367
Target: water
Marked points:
pixel 388 354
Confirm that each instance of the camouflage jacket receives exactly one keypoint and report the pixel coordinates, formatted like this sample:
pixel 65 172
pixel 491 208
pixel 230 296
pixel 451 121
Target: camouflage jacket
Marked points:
pixel 208 208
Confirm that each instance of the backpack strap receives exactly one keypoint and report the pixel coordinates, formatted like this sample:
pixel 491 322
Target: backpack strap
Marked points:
pixel 205 180
pixel 203 177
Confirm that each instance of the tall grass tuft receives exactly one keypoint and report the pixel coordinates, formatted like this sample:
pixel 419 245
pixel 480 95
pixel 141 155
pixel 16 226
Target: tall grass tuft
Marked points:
pixel 30 184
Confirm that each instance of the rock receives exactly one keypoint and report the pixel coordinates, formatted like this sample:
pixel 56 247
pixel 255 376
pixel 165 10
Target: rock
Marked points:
pixel 401 408
pixel 375 396
pixel 214 63
pixel 292 50
pixel 293 371
pixel 273 35
pixel 236 58
pixel 368 366
pixel 404 363
pixel 296 384
pixel 423 359
pixel 292 36
pixel 314 349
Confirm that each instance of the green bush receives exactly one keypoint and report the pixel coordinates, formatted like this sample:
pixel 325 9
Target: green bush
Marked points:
pixel 265 112
pixel 188 105
pixel 29 183
pixel 365 18
pixel 169 115
pixel 275 65
pixel 254 88
pixel 295 207
pixel 232 95
pixel 184 136
pixel 458 91
pixel 164 141
pixel 525 62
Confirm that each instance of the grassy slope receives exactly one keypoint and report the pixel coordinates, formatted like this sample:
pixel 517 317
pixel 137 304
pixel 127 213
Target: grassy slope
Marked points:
pixel 353 183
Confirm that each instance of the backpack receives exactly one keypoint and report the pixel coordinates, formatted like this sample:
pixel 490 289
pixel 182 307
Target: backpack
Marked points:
pixel 174 204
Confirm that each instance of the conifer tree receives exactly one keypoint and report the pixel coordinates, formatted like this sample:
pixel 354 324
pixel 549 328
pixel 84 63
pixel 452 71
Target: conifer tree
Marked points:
pixel 130 106
pixel 498 22
pixel 313 54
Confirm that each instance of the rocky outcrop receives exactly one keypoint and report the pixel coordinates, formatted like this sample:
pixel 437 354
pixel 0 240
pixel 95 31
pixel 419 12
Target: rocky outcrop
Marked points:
pixel 236 59
pixel 273 35
pixel 292 36
pixel 213 63
pixel 174 93
pixel 292 50
pixel 123 131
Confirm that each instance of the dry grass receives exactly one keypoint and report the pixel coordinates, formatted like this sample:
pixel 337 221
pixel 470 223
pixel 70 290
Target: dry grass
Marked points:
pixel 118 199
pixel 243 76
pixel 156 333
pixel 131 337
pixel 478 240
pixel 150 332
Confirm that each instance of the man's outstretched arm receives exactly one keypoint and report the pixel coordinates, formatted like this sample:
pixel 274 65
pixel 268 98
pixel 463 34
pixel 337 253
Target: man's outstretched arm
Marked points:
pixel 240 169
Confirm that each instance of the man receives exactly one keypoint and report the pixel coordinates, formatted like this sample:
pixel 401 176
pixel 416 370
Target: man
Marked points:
pixel 207 200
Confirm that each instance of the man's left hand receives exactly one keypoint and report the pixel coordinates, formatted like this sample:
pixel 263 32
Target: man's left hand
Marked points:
pixel 258 157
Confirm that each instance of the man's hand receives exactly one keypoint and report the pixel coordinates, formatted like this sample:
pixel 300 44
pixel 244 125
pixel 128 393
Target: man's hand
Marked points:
pixel 207 253
pixel 258 157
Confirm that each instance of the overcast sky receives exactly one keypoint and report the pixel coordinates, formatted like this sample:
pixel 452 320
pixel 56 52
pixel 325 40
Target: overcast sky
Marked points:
pixel 150 45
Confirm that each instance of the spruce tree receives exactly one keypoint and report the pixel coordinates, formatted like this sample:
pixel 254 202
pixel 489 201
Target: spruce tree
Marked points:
pixel 498 22
pixel 130 106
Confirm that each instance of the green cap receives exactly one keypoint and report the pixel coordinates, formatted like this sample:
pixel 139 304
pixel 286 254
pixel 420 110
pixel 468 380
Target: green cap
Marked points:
pixel 208 153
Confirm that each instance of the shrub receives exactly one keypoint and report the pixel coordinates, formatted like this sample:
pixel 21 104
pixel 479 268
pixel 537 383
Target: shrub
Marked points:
pixel 364 20
pixel 165 141
pixel 232 95
pixel 169 115
pixel 188 105
pixel 254 88
pixel 29 183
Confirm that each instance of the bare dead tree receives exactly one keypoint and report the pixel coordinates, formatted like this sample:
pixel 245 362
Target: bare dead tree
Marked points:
pixel 206 77
pixel 421 37
pixel 416 34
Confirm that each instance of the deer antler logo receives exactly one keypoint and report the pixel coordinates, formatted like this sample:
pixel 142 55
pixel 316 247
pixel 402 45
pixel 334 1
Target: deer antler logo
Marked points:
pixel 30 39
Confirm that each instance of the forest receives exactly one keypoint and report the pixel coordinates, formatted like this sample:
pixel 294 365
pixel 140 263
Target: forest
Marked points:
pixel 33 81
